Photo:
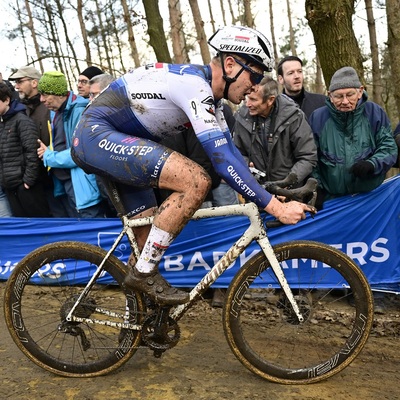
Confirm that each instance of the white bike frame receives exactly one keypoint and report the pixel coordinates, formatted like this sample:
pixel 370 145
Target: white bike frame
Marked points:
pixel 255 231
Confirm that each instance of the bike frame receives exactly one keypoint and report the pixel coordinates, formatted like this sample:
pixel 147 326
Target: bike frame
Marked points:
pixel 255 231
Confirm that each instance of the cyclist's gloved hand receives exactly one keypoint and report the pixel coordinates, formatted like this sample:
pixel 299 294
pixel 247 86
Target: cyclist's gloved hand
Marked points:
pixel 362 169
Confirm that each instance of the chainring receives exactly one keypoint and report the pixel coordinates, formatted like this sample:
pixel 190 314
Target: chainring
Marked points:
pixel 160 341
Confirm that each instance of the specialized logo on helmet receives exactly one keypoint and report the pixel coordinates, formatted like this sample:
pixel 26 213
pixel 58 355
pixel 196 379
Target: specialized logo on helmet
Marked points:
pixel 240 49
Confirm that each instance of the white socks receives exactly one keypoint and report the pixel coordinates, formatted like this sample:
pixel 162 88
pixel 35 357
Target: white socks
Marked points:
pixel 156 245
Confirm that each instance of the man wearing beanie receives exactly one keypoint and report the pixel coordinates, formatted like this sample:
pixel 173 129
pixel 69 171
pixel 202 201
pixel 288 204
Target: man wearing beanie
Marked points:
pixel 354 139
pixel 84 78
pixel 77 191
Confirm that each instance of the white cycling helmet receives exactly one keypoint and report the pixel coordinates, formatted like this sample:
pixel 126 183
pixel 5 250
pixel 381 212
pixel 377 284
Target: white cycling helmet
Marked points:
pixel 246 42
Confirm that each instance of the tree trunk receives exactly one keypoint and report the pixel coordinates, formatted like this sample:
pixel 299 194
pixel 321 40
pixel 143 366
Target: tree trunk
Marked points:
pixel 234 19
pixel 248 16
pixel 201 36
pixel 377 87
pixel 32 31
pixel 291 32
pixel 53 38
pixel 393 23
pixel 131 36
pixel 221 3
pixel 102 30
pixel 212 20
pixel 155 28
pixel 119 42
pixel 71 48
pixel 337 46
pixel 179 47
pixel 273 39
pixel 79 11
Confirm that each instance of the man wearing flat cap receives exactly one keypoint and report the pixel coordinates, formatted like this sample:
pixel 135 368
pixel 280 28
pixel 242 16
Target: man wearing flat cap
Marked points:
pixel 76 190
pixel 26 83
pixel 84 78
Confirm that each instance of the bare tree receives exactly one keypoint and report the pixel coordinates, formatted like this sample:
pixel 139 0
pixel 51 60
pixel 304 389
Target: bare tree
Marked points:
pixel 115 29
pixel 131 36
pixel 103 35
pixel 273 39
pixel 179 47
pixel 155 28
pixel 53 38
pixel 248 18
pixel 234 19
pixel 337 46
pixel 201 36
pixel 221 3
pixel 31 26
pixel 85 39
pixel 377 86
pixel 211 15
pixel 60 13
pixel 393 23
pixel 293 49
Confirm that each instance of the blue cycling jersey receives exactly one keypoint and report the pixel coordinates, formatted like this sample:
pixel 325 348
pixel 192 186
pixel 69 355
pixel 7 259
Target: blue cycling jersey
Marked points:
pixel 118 133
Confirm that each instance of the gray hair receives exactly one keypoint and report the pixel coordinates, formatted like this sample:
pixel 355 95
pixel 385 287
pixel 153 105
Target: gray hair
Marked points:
pixel 268 87
pixel 103 80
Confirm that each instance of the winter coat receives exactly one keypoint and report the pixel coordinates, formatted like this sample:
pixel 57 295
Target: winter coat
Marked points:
pixel 40 115
pixel 86 191
pixel 343 138
pixel 292 147
pixel 19 162
pixel 309 101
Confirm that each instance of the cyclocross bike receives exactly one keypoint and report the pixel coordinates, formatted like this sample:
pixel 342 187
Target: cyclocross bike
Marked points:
pixel 281 321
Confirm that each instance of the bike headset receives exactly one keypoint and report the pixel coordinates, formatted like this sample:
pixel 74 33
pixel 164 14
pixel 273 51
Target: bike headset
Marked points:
pixel 247 43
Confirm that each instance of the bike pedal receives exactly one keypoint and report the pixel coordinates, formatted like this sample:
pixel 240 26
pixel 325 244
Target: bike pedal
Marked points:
pixel 158 353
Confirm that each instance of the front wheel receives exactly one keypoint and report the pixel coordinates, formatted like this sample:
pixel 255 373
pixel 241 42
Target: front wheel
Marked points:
pixel 39 295
pixel 265 334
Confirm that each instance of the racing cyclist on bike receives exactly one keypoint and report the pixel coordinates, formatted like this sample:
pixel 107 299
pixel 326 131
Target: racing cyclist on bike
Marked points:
pixel 118 134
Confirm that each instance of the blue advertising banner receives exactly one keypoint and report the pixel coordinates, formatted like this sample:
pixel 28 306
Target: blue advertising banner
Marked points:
pixel 365 226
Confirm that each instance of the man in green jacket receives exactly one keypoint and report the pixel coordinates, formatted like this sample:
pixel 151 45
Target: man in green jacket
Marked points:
pixel 355 144
pixel 354 139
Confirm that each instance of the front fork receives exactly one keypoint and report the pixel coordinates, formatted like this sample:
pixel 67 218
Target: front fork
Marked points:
pixel 271 257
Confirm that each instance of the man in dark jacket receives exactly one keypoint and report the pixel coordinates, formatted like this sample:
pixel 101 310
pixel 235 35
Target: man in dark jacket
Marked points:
pixel 26 82
pixel 19 163
pixel 291 77
pixel 273 135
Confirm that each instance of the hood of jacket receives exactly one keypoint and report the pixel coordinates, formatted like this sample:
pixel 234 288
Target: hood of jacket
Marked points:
pixel 15 107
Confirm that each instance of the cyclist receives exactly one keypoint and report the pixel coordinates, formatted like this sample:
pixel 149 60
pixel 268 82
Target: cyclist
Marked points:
pixel 118 134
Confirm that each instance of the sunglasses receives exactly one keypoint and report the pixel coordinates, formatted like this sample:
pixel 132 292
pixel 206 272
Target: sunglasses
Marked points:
pixel 255 77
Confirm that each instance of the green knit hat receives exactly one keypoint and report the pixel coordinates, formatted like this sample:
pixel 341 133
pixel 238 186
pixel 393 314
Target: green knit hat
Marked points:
pixel 53 82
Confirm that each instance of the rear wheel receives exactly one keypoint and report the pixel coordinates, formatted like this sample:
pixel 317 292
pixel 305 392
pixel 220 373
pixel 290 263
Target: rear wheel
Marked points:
pixel 39 295
pixel 265 334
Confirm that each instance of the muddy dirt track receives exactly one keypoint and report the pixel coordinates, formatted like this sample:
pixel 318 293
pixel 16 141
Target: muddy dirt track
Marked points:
pixel 202 366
